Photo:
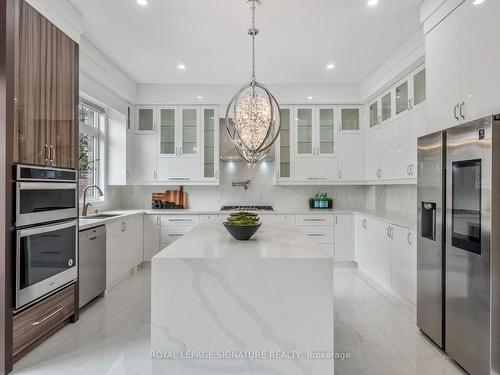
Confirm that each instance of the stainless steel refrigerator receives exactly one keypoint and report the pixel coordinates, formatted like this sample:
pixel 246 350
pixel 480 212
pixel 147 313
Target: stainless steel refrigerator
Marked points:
pixel 458 244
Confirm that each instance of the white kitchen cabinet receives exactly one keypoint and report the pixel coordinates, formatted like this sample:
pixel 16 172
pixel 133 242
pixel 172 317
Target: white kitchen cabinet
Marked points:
pixel 284 146
pixel 351 144
pixel 151 241
pixel 387 253
pixel 124 247
pixel 403 264
pixel 114 252
pixel 344 244
pixel 407 129
pixel 213 218
pixel 179 159
pixel 480 58
pixel 374 116
pixel 386 106
pixel 320 229
pixel 315 158
pixel 174 227
pixel 187 145
pixel 142 154
pixel 462 66
pixel 351 160
pixel 285 219
pixel 380 152
pixel 145 120
pixel 350 119
pixel 210 144
pixel 361 240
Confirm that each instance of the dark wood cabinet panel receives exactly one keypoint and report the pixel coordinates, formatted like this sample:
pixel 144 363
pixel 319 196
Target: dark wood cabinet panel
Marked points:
pixel 38 322
pixel 45 81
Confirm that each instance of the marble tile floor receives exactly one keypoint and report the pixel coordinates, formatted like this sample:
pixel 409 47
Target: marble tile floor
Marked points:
pixel 112 336
pixel 380 332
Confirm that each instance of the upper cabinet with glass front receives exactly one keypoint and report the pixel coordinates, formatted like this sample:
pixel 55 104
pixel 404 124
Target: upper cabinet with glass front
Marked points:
pixel 315 129
pixel 350 119
pixel 283 147
pixel 179 132
pixel 403 97
pixel 146 120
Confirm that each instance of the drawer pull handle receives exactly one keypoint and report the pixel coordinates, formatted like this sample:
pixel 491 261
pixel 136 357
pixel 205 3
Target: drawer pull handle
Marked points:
pixel 48 316
pixel 314 219
pixel 316 234
pixel 176 235
pixel 179 220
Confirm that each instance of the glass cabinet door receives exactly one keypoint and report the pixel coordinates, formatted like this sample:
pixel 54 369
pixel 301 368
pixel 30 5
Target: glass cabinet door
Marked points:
pixel 146 119
pixel 285 144
pixel 402 98
pixel 419 87
pixel 386 106
pixel 350 119
pixel 209 156
pixel 304 131
pixel 373 114
pixel 189 125
pixel 326 135
pixel 167 131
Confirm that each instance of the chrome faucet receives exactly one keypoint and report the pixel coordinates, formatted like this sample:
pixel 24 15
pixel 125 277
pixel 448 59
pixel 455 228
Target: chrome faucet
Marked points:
pixel 85 204
pixel 243 183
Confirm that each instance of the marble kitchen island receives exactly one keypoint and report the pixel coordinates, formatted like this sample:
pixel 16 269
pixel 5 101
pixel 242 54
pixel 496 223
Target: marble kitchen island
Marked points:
pixel 221 306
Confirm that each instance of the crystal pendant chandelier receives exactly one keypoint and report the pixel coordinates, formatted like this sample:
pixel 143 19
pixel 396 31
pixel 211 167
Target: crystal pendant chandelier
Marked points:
pixel 255 112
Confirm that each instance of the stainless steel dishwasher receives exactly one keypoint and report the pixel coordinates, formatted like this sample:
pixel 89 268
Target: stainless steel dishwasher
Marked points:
pixel 92 261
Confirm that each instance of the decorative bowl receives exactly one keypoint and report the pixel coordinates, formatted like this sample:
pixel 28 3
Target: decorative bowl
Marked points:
pixel 242 232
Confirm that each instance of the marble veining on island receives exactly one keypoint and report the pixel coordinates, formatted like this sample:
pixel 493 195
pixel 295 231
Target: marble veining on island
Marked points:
pixel 221 306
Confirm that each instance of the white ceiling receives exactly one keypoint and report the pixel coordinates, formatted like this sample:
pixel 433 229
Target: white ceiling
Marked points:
pixel 298 38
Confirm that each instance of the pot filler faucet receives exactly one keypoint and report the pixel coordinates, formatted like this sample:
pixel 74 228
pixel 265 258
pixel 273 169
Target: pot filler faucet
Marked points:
pixel 242 183
pixel 85 204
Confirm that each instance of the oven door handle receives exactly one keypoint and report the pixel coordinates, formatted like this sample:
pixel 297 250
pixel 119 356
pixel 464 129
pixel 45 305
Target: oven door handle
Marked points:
pixel 46 228
pixel 46 186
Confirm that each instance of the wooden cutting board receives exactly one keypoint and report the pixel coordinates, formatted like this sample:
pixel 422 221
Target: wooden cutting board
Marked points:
pixel 172 198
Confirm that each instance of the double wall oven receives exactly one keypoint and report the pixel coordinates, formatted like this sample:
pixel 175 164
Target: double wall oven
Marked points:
pixel 46 212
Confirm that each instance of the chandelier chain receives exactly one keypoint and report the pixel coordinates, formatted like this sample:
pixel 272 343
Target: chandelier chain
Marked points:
pixel 253 41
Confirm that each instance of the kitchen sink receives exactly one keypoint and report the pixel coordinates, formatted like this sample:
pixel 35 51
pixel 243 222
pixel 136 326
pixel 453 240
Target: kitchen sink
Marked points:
pixel 100 216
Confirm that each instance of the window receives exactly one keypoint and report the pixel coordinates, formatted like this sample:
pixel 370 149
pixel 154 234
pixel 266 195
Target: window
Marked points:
pixel 91 124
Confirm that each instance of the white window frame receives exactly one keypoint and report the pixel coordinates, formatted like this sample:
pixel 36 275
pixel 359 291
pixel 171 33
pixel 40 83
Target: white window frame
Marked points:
pixel 99 132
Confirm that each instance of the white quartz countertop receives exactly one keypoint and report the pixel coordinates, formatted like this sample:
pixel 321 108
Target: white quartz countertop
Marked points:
pixel 391 217
pixel 272 241
pixel 88 222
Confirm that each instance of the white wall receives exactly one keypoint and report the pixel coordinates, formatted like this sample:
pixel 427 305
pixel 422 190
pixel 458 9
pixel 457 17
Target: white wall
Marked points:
pixel 406 58
pixel 261 191
pixel 104 81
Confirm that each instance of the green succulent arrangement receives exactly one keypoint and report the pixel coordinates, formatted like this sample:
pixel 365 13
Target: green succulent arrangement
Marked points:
pixel 245 219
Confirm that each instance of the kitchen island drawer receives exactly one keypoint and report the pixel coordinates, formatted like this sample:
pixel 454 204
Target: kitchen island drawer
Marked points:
pixel 173 232
pixel 39 321
pixel 180 220
pixel 314 219
pixel 319 234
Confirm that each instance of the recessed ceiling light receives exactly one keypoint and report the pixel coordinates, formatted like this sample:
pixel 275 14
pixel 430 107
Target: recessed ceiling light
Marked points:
pixel 142 2
pixel 199 97
pixel 309 98
pixel 372 3
pixel 330 66
pixel 181 67
pixel 477 2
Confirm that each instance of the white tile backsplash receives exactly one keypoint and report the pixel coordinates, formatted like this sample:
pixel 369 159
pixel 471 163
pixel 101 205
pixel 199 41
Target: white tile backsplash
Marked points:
pixel 396 198
pixel 261 191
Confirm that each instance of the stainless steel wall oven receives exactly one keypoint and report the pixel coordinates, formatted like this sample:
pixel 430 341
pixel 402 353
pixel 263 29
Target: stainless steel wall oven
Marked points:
pixel 46 211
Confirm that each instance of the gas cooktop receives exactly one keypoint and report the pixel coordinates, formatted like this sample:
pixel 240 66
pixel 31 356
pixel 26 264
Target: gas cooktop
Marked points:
pixel 247 208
